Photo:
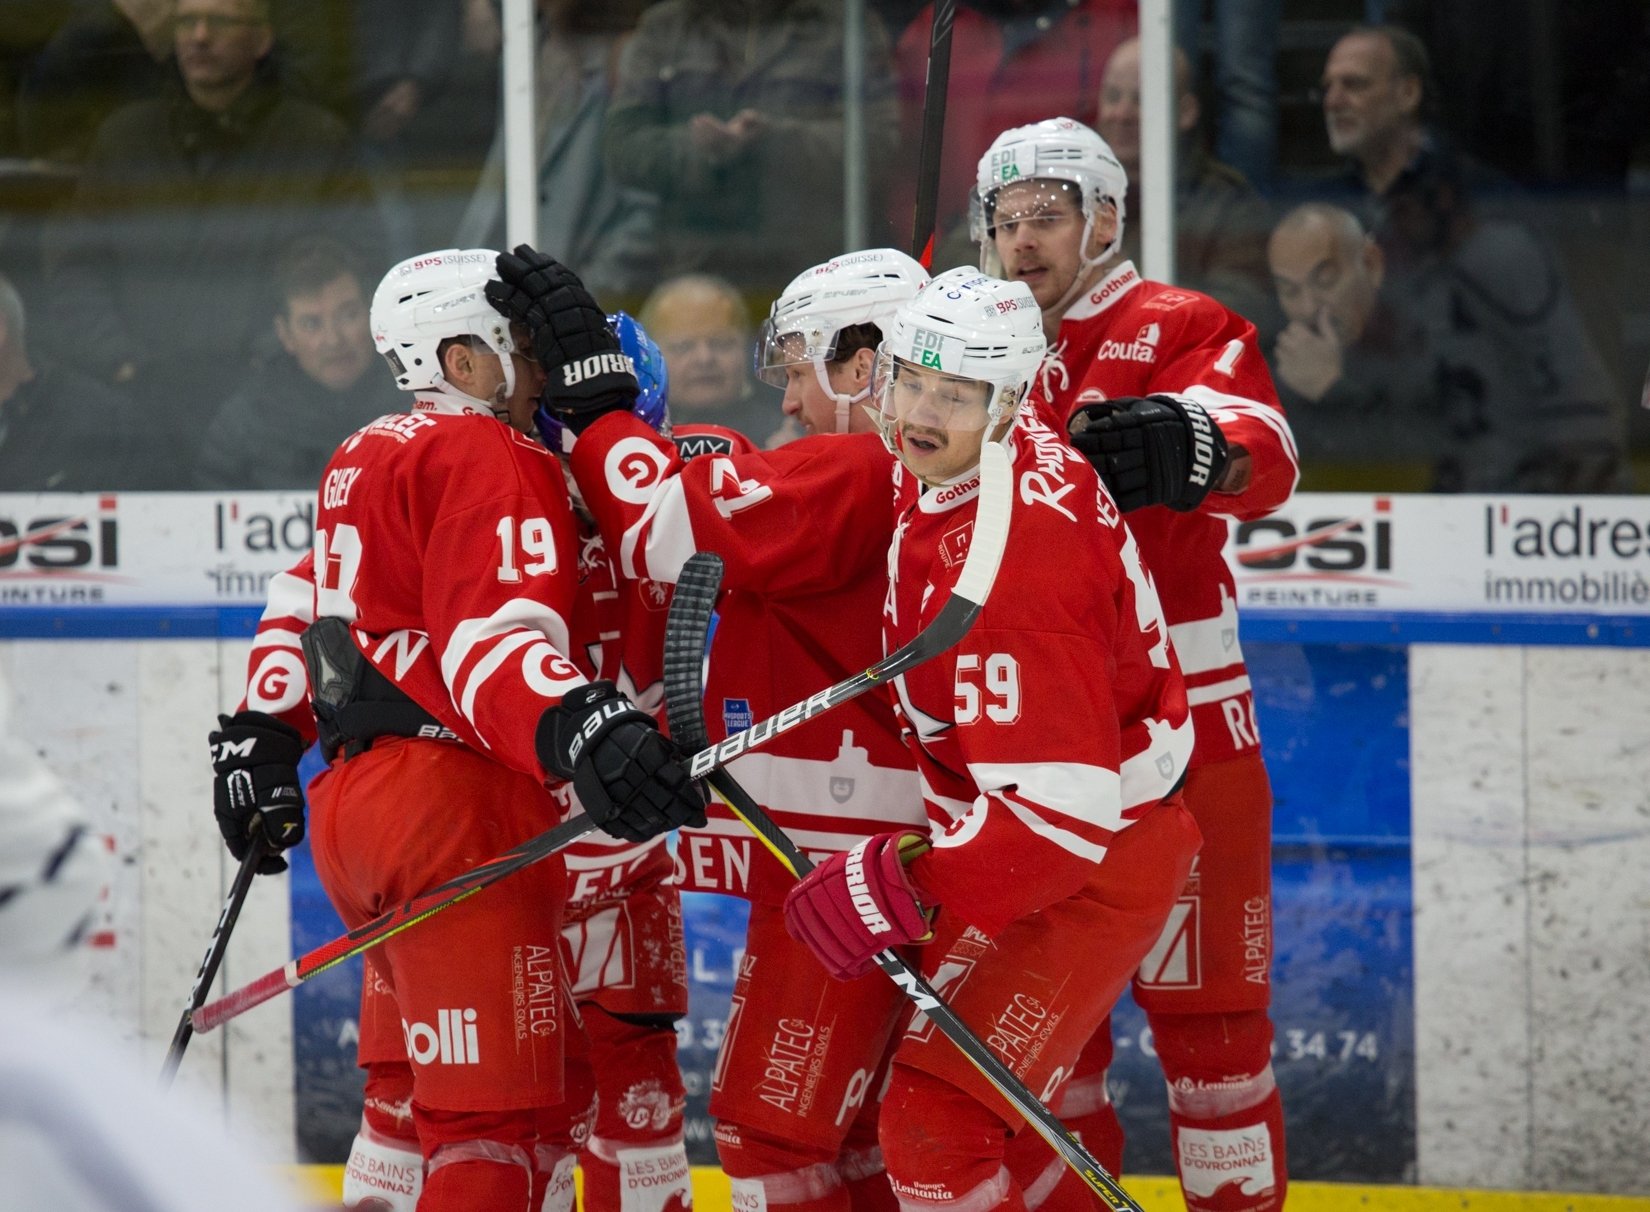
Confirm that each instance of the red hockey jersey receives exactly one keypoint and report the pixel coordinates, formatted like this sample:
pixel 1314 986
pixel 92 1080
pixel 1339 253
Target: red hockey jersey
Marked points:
pixel 798 613
pixel 448 541
pixel 1131 337
pixel 1057 719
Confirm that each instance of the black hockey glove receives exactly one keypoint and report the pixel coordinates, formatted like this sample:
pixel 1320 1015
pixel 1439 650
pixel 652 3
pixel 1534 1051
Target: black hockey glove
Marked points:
pixel 629 776
pixel 1161 450
pixel 255 757
pixel 587 374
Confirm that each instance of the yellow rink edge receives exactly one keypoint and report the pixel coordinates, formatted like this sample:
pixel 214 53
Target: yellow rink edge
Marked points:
pixel 319 1185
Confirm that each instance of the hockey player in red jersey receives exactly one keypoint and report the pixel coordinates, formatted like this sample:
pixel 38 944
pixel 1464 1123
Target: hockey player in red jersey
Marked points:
pixel 621 935
pixel 830 786
pixel 1058 844
pixel 1168 395
pixel 626 955
pixel 440 598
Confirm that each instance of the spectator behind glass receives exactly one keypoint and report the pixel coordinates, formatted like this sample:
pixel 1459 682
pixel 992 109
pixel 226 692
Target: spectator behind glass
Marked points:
pixel 1479 356
pixel 1495 284
pixel 701 326
pixel 160 261
pixel 1219 218
pixel 1244 46
pixel 1349 368
pixel 1013 62
pixel 60 430
pixel 306 394
pixel 732 113
pixel 104 56
pixel 585 217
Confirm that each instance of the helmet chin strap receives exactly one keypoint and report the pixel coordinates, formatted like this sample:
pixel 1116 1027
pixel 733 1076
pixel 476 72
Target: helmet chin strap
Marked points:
pixel 1080 282
pixel 844 403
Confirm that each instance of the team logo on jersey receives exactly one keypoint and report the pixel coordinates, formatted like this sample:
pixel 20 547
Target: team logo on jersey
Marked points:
pixel 954 543
pixel 1142 349
pixel 452 1041
pixel 1168 300
pixel 692 445
pixel 655 594
pixel 736 715
pixel 842 788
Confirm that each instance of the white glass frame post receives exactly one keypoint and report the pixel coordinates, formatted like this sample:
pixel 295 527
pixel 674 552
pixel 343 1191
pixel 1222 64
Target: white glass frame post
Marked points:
pixel 1158 140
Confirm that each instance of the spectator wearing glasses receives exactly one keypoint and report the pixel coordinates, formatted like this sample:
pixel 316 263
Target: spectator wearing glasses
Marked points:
pixel 162 257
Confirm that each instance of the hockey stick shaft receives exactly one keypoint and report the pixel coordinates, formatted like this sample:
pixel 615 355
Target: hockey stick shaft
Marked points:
pixel 215 948
pixel 935 90
pixel 985 552
pixel 387 925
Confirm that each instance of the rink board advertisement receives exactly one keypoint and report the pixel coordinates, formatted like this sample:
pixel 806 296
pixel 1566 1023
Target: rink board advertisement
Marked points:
pixel 1321 551
pixel 1516 555
pixel 1334 720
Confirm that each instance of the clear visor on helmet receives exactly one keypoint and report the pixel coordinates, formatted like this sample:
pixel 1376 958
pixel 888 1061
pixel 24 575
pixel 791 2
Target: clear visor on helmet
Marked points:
pixel 916 399
pixel 1040 203
pixel 801 344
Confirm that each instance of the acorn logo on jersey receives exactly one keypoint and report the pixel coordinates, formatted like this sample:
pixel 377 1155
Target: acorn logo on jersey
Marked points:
pixel 1319 561
pixel 452 1041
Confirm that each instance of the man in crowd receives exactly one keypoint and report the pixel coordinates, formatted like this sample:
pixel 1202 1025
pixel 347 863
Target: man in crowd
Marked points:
pixel 281 425
pixel 160 261
pixel 699 321
pixel 61 430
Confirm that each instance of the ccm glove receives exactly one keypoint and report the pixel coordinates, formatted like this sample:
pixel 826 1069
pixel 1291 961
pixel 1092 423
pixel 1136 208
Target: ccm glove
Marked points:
pixel 1161 450
pixel 586 372
pixel 255 758
pixel 630 778
pixel 859 903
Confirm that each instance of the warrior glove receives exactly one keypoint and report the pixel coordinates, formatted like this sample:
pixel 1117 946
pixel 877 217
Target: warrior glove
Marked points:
pixel 1162 450
pixel 586 372
pixel 630 778
pixel 255 760
pixel 859 903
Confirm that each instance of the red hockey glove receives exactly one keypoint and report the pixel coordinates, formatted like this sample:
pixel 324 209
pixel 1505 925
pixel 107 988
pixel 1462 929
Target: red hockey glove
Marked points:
pixel 858 903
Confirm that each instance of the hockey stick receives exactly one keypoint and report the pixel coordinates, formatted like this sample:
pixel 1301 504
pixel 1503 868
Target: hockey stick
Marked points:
pixel 686 629
pixel 365 937
pixel 985 552
pixel 215 949
pixel 934 92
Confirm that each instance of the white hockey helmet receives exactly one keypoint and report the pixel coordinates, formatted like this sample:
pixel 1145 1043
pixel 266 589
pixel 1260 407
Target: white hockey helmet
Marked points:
pixel 1055 149
pixel 430 298
pixel 807 318
pixel 964 325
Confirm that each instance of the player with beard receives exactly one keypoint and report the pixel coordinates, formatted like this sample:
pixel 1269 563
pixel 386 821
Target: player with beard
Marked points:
pixel 1167 393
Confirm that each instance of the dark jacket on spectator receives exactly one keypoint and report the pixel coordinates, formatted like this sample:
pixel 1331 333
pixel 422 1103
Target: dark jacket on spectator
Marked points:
pixel 163 255
pixel 776 206
pixel 66 432
pixel 280 426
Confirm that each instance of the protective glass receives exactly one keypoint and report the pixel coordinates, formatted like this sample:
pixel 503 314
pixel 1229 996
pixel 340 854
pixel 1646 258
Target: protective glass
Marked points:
pixel 803 343
pixel 922 397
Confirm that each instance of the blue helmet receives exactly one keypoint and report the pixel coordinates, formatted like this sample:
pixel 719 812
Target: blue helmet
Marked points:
pixel 652 404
